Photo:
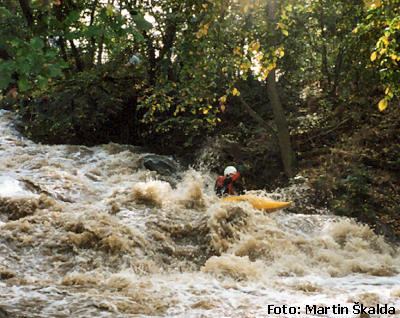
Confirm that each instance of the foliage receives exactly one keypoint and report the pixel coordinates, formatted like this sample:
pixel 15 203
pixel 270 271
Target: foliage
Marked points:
pixel 383 20
pixel 61 36
pixel 31 65
pixel 191 81
pixel 357 175
pixel 325 58
pixel 352 194
pixel 89 108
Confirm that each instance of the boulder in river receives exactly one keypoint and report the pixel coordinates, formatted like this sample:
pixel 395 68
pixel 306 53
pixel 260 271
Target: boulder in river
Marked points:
pixel 164 165
pixel 4 313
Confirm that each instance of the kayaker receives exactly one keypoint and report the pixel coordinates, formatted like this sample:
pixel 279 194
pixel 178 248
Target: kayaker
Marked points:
pixel 229 183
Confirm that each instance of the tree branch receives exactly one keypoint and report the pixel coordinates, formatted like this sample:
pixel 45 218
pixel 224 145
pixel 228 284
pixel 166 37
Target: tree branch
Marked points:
pixel 253 114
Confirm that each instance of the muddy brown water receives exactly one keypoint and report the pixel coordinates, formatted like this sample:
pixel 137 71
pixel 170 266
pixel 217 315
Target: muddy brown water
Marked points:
pixel 88 232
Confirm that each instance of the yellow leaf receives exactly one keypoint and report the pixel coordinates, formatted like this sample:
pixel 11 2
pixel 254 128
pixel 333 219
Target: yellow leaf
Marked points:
pixel 245 66
pixel 235 92
pixel 222 99
pixel 285 32
pixel 237 51
pixel 280 25
pixel 389 92
pixel 255 46
pixel 385 40
pixel 280 52
pixel 110 10
pixel 245 8
pixel 203 30
pixel 259 57
pixel 205 111
pixel 376 3
pixel 373 4
pixel 270 67
pixel 383 104
pixel 222 107
pixel 373 56
pixel 264 74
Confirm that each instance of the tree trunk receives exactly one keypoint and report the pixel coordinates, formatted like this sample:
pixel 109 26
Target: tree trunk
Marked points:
pixel 336 75
pixel 100 51
pixel 151 56
pixel 63 48
pixel 60 14
pixel 92 47
pixel 285 145
pixel 27 11
pixel 324 54
pixel 75 53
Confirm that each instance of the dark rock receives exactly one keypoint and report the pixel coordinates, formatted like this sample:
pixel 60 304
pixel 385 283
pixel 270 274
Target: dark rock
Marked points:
pixel 164 165
pixel 5 273
pixel 4 313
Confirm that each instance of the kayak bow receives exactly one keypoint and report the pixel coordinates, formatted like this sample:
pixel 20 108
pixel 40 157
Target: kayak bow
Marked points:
pixel 259 203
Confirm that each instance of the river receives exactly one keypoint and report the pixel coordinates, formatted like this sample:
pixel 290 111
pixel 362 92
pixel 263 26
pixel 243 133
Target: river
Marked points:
pixel 89 232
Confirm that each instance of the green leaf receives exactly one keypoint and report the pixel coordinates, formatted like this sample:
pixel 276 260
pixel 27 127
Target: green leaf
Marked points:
pixel 141 22
pixel 23 84
pixel 94 31
pixel 73 35
pixel 5 80
pixel 7 68
pixel 54 70
pixel 138 36
pixel 24 66
pixel 72 17
pixel 42 81
pixel 37 43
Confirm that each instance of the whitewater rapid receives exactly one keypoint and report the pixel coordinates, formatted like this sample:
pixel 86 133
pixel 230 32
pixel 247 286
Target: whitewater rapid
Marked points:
pixel 89 232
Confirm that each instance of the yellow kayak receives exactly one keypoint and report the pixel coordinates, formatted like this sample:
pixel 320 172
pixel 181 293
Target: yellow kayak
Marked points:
pixel 259 203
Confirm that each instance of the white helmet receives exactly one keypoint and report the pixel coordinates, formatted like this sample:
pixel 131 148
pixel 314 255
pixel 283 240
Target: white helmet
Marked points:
pixel 229 170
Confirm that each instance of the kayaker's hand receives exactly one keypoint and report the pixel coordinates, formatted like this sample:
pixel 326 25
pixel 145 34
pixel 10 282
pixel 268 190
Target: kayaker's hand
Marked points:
pixel 227 181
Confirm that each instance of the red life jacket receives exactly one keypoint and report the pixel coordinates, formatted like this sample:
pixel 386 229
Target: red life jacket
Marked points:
pixel 220 183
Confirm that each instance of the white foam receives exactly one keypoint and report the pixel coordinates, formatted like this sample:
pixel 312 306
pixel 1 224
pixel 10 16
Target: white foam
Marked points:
pixel 10 187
